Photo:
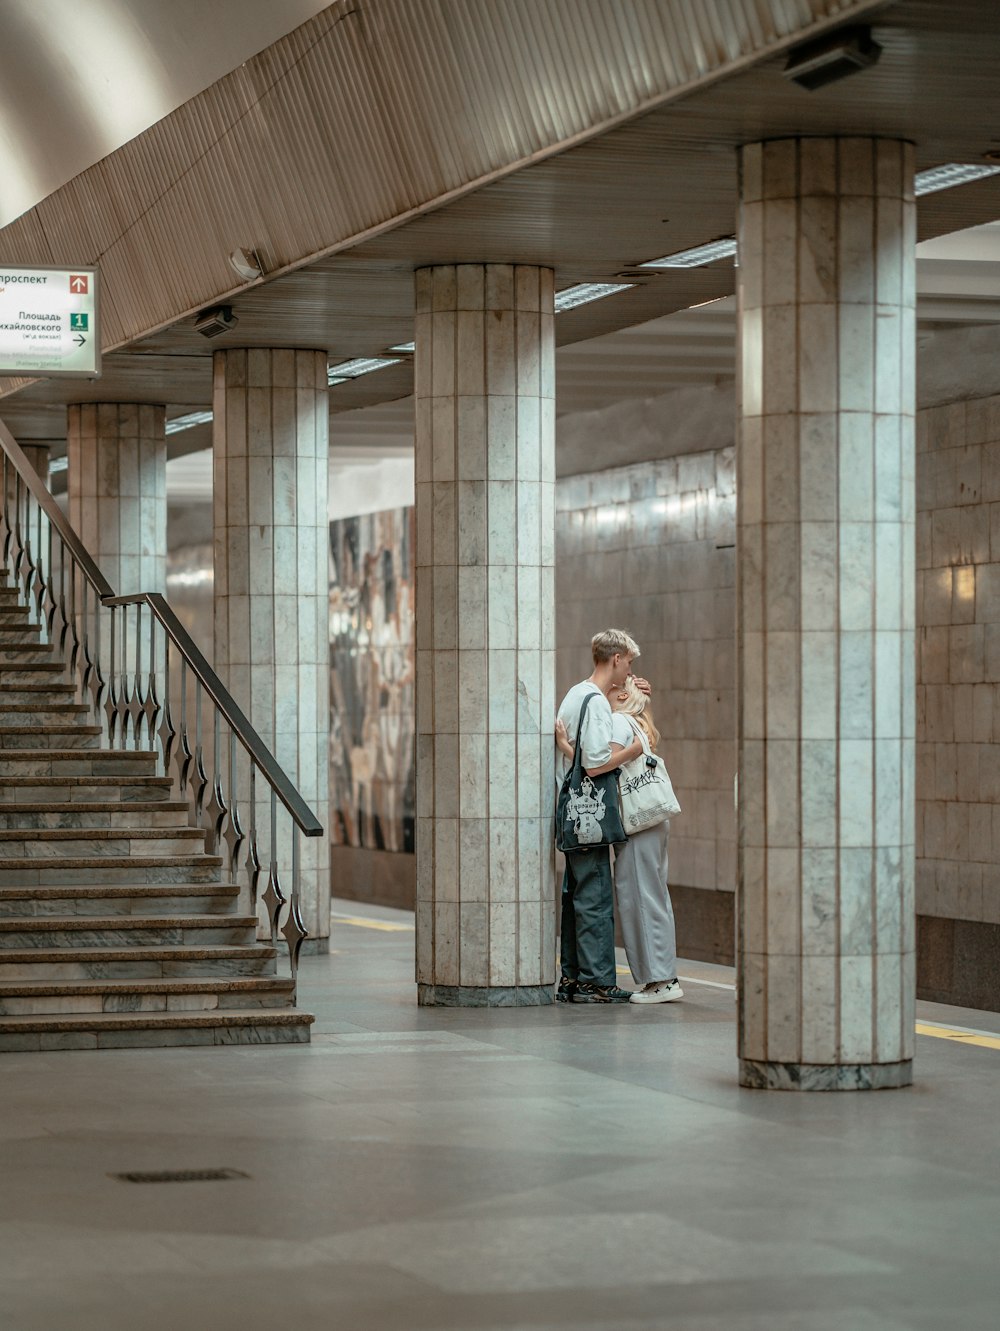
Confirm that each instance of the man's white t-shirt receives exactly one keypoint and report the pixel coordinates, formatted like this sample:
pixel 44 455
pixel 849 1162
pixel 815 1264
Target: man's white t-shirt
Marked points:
pixel 621 729
pixel 597 727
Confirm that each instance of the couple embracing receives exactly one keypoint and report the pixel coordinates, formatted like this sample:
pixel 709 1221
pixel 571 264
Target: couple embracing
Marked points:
pixel 605 724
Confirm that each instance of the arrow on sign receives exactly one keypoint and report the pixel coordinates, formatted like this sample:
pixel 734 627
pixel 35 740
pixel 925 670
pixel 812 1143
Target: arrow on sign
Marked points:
pixel 79 341
pixel 78 284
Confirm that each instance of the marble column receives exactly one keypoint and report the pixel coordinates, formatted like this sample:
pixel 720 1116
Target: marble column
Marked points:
pixel 825 596
pixel 38 455
pixel 117 487
pixel 271 526
pixel 485 517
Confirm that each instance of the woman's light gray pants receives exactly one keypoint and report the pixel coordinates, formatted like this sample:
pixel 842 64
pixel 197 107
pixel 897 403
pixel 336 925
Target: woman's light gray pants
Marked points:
pixel 643 902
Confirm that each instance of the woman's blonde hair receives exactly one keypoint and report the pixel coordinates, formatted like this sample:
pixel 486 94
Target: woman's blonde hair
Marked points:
pixel 633 702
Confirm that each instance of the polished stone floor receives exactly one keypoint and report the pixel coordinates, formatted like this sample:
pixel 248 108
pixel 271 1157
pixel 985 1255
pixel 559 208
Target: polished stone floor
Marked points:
pixel 478 1170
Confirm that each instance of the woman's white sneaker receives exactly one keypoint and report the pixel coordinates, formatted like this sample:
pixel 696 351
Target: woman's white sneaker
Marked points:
pixel 660 991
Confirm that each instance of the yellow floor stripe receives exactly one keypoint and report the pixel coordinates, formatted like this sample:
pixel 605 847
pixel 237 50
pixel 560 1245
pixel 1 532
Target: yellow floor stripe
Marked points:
pixel 387 926
pixel 960 1037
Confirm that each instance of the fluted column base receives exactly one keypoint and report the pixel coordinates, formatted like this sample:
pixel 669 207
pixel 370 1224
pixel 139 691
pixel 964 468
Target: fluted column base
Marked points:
pixel 469 995
pixel 761 1076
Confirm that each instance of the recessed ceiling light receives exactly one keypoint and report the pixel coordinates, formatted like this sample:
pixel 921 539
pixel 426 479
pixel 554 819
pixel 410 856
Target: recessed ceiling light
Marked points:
pixel 405 348
pixel 584 292
pixel 952 173
pixel 698 257
pixel 353 369
pixel 59 464
pixel 187 422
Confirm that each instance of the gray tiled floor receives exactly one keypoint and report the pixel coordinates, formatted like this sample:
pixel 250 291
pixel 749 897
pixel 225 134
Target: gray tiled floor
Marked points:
pixel 479 1170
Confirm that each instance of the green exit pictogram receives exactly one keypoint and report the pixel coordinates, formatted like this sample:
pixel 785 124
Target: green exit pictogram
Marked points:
pixel 79 322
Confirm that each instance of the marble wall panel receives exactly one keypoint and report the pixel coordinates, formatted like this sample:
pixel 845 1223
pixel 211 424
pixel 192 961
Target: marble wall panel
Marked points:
pixel 372 701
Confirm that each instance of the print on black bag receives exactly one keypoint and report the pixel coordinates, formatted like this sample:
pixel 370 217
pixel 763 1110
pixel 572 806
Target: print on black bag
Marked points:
pixel 588 810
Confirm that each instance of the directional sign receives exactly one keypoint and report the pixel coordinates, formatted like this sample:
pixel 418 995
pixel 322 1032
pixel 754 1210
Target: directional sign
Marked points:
pixel 49 325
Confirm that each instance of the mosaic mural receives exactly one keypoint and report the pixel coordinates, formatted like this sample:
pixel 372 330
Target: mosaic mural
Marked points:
pixel 372 776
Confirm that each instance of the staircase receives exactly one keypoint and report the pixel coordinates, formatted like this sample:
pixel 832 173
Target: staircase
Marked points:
pixel 117 930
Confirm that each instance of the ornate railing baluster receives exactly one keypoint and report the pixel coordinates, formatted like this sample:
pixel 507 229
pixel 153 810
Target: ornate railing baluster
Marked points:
pixel 88 664
pixel 167 732
pixel 199 775
pixel 137 698
pixel 216 811
pixel 293 929
pixel 151 708
pixel 184 755
pixel 234 834
pixel 38 586
pixel 74 628
pixel 18 541
pixel 274 897
pixel 7 533
pixel 111 698
pixel 50 595
pixel 253 865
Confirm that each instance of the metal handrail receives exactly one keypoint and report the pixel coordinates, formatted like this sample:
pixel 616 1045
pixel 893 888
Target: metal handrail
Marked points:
pixel 90 622
pixel 235 718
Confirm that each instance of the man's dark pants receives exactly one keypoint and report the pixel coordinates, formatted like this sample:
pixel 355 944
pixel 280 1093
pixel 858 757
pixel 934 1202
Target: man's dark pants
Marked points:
pixel 587 945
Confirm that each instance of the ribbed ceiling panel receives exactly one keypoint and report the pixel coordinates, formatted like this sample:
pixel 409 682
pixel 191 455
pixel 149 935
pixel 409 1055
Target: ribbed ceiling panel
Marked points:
pixel 374 111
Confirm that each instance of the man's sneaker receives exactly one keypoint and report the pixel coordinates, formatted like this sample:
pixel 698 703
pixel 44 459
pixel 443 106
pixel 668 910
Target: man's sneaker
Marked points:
pixel 660 991
pixel 596 993
pixel 566 989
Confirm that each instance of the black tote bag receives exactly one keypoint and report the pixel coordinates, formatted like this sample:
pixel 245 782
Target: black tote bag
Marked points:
pixel 588 810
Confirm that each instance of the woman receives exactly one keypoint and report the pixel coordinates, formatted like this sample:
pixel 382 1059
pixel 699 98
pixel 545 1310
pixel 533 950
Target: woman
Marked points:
pixel 643 901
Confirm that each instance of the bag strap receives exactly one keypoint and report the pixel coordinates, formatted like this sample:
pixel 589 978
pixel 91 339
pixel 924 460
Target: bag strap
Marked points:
pixel 577 767
pixel 640 735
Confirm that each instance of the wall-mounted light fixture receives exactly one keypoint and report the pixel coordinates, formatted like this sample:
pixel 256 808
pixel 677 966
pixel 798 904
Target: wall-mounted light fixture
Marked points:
pixel 835 56
pixel 246 264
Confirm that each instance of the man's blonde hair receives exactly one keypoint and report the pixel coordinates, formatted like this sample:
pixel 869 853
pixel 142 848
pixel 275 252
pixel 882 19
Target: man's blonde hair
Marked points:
pixel 612 642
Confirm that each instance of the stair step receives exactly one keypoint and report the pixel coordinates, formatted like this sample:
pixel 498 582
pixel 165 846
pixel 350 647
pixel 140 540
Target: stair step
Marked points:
pixel 47 686
pixel 76 762
pixel 110 790
pixel 34 713
pixel 16 653
pixel 34 998
pixel 32 671
pixel 137 1030
pixel 115 931
pixel 91 815
pixel 48 736
pixel 120 899
pixel 169 960
pixel 50 835
pixel 63 870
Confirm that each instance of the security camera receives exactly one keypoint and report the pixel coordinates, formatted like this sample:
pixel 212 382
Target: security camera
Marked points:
pixel 218 319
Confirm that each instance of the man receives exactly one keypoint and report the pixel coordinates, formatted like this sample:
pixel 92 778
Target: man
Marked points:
pixel 588 924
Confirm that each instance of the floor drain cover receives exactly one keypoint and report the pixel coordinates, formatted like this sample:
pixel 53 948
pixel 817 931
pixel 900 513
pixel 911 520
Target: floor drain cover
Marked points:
pixel 180 1175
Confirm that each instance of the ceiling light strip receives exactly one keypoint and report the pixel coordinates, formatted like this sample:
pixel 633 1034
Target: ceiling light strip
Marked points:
pixel 584 292
pixel 353 369
pixel 187 422
pixel 949 175
pixel 724 248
